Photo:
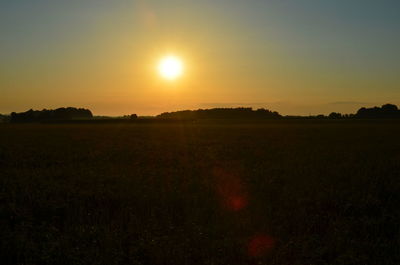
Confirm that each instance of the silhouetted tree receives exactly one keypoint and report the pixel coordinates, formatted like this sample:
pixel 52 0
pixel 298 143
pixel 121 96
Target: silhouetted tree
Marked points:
pixel 221 113
pixel 47 115
pixel 386 111
pixel 335 115
pixel 389 108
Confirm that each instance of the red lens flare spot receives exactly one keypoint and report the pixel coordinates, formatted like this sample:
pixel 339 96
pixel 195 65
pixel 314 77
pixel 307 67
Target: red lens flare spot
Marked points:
pixel 260 245
pixel 237 203
pixel 231 189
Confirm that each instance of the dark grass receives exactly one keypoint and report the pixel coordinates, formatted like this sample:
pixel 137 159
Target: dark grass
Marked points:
pixel 319 192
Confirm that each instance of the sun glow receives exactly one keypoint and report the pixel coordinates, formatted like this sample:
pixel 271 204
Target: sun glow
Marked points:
pixel 170 67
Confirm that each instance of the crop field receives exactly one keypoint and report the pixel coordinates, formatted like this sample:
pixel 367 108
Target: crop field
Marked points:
pixel 279 192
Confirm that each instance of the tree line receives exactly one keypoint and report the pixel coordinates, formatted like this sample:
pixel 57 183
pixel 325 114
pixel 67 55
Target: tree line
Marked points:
pixel 51 115
pixel 387 111
pixel 221 113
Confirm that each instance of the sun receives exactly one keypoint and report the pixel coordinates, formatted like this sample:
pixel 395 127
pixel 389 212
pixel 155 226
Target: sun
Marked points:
pixel 170 67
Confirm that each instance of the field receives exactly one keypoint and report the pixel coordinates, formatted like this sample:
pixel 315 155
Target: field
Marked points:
pixel 279 192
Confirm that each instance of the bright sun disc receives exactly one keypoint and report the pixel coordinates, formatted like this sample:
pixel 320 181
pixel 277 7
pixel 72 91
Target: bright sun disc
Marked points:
pixel 170 67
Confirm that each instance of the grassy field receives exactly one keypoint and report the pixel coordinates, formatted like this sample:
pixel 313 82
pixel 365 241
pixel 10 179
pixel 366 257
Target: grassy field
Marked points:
pixel 284 192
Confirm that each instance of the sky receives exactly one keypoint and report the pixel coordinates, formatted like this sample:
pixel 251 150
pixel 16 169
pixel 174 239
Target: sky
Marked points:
pixel 297 57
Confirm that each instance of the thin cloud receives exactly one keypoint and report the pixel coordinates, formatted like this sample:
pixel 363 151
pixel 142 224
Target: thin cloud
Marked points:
pixel 350 103
pixel 235 104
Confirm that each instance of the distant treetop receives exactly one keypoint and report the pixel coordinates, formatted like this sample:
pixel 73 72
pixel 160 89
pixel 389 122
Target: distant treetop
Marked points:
pixel 221 113
pixel 51 115
pixel 386 111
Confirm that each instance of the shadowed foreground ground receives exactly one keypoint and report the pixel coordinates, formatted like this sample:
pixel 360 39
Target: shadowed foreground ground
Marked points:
pixel 279 193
